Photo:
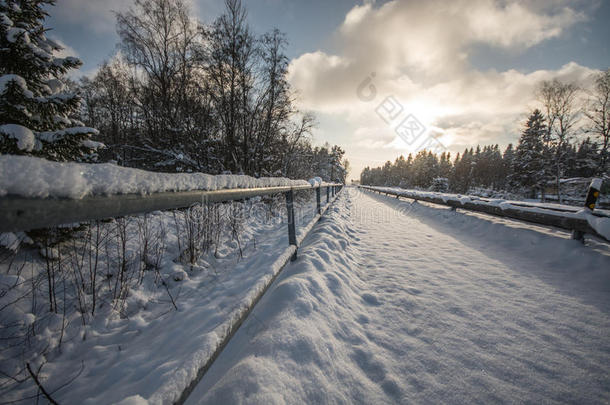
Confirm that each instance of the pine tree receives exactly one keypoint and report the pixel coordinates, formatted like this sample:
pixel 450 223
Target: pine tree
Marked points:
pixel 36 108
pixel 506 172
pixel 586 159
pixel 444 165
pixel 528 163
pixel 462 172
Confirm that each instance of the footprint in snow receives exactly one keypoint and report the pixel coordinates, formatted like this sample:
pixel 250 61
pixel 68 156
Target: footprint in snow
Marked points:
pixel 363 320
pixel 370 299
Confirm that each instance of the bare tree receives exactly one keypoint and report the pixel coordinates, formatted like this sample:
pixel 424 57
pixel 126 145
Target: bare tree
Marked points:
pixel 230 71
pixel 276 109
pixel 110 102
pixel 559 103
pixel 298 151
pixel 159 38
pixel 598 113
pixel 186 97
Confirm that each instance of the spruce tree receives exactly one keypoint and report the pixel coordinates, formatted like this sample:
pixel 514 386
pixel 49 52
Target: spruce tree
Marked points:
pixel 586 159
pixel 36 108
pixel 528 162
pixel 506 173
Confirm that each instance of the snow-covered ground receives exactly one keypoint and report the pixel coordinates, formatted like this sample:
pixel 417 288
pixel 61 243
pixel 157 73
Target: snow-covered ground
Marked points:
pixel 392 302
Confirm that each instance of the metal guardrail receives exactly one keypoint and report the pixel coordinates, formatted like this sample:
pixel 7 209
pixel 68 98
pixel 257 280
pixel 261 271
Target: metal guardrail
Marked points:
pixel 540 216
pixel 22 214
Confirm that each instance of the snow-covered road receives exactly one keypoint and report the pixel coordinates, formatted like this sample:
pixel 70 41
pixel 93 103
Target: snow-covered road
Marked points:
pixel 397 303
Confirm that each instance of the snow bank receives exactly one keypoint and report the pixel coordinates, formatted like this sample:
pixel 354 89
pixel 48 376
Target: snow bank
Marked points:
pixel 27 176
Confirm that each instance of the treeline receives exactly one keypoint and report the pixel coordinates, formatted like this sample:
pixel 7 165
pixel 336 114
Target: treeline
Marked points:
pixel 179 96
pixel 548 149
pixel 182 96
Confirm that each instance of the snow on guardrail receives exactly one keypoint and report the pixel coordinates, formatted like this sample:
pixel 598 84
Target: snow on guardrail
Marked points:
pixel 33 177
pixel 571 218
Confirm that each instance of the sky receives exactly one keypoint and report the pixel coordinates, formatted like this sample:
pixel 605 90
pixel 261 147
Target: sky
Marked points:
pixel 386 78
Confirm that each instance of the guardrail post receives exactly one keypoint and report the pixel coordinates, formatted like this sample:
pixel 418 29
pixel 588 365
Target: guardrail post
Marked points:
pixel 327 195
pixel 590 201
pixel 292 234
pixel 318 207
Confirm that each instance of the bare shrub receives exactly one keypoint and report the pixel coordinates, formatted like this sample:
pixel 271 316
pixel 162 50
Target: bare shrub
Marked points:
pixel 235 219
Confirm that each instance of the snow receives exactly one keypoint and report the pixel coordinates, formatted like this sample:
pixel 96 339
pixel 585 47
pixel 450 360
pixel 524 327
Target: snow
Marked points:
pixel 601 225
pixel 39 178
pixel 9 241
pixel 5 20
pixel 133 400
pixel 25 137
pixel 60 119
pixel 15 33
pixel 389 302
pixel 392 302
pixel 55 85
pixel 596 184
pixel 52 136
pixel 315 181
pixel 20 81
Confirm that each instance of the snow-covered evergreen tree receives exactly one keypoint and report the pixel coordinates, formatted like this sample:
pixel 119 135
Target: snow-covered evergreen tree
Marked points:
pixel 507 169
pixel 440 184
pixel 528 162
pixel 36 108
pixel 586 159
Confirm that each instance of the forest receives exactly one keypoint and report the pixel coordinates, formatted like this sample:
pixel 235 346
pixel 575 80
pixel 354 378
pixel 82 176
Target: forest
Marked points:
pixel 567 137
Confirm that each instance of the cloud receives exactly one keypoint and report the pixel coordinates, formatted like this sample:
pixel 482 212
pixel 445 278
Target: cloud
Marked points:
pixel 97 15
pixel 418 52
pixel 66 49
pixel 516 25
pixel 65 52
